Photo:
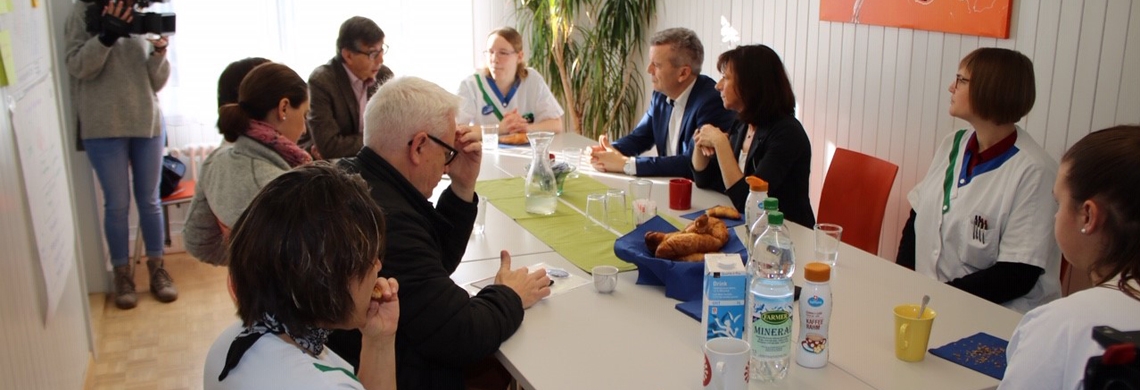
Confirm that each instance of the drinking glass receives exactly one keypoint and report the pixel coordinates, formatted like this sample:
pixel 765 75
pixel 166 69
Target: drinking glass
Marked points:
pixel 596 211
pixel 616 214
pixel 490 137
pixel 827 238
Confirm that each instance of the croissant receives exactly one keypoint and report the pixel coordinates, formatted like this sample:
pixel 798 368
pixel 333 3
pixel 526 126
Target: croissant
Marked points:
pixel 687 244
pixel 513 139
pixel 723 212
pixel 706 234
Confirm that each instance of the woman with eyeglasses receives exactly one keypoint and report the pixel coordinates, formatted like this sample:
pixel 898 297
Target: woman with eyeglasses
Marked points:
pixel 981 217
pixel 507 92
pixel 263 127
pixel 1096 225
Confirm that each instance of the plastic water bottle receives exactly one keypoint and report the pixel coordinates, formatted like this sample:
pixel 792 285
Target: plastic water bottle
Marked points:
pixel 757 228
pixel 770 301
pixel 754 204
pixel 815 316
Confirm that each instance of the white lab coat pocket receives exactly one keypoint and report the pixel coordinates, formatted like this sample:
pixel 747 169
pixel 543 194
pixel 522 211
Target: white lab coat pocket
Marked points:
pixel 980 249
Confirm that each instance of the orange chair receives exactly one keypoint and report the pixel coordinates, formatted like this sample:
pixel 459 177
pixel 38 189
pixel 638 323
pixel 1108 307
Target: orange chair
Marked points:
pixel 855 194
pixel 184 193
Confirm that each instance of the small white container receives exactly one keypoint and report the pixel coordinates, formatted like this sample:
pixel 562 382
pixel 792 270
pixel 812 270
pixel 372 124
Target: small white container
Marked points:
pixel 815 317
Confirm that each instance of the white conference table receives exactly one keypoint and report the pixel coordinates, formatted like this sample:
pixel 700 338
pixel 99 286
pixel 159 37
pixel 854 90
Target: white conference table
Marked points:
pixel 636 339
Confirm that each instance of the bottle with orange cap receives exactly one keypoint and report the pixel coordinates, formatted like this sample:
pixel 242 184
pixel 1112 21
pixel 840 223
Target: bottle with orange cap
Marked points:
pixel 754 204
pixel 815 316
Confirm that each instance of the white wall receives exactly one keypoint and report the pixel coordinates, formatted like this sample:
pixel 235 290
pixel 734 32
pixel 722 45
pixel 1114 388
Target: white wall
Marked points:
pixel 36 355
pixel 883 90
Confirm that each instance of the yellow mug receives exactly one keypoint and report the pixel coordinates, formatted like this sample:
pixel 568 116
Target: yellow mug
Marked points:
pixel 911 332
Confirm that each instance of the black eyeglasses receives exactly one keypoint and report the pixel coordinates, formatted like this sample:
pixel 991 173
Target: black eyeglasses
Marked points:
pixel 959 80
pixel 372 54
pixel 451 152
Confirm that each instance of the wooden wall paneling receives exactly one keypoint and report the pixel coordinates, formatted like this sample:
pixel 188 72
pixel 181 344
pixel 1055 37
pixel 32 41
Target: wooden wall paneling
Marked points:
pixel 865 94
pixel 911 156
pixel 782 39
pixel 799 82
pixel 1064 71
pixel 1085 77
pixel 843 111
pixel 1111 65
pixel 872 94
pixel 1129 100
pixel 894 217
pixel 853 83
pixel 831 107
pixel 1044 64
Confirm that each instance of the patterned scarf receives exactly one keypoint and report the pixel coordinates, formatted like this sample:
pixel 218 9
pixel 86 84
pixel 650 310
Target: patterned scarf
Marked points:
pixel 265 134
pixel 311 340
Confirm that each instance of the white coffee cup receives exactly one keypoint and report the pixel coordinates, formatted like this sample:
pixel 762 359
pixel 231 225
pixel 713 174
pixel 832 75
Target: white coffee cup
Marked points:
pixel 726 364
pixel 605 278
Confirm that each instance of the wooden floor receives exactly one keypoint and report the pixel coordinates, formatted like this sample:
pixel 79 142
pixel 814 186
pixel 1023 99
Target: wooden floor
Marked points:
pixel 161 345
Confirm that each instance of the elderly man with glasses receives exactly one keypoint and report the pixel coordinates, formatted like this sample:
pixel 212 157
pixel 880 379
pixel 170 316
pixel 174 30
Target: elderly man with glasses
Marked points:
pixel 411 141
pixel 340 88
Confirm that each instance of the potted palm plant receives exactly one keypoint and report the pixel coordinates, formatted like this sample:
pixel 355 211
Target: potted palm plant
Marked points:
pixel 590 50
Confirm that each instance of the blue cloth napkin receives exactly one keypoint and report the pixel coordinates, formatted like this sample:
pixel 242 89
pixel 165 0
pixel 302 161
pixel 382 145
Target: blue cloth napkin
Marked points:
pixel 683 281
pixel 692 308
pixel 981 352
pixel 731 223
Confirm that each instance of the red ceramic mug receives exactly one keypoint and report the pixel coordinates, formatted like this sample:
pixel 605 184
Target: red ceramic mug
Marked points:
pixel 680 194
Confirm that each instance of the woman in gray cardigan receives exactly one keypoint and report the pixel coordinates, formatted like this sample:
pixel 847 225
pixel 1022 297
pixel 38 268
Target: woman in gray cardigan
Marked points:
pixel 263 127
pixel 115 80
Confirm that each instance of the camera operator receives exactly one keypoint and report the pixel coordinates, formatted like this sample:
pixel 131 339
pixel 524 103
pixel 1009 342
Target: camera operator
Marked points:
pixel 115 79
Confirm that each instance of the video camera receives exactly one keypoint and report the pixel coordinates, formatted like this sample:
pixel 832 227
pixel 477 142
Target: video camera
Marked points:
pixel 1119 367
pixel 142 23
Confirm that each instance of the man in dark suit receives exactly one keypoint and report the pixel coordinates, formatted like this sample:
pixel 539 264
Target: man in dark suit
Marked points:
pixel 683 101
pixel 339 90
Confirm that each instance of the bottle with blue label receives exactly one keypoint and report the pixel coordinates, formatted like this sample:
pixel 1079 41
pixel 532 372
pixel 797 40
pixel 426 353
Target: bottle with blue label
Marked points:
pixel 770 301
pixel 815 316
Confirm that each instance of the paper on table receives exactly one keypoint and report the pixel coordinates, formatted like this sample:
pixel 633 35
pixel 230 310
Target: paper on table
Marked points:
pixel 561 284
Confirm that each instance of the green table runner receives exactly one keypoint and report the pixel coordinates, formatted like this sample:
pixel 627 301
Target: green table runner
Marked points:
pixel 564 231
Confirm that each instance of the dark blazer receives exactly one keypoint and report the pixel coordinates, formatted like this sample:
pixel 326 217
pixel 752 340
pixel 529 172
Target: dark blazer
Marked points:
pixel 781 155
pixel 442 330
pixel 704 107
pixel 334 113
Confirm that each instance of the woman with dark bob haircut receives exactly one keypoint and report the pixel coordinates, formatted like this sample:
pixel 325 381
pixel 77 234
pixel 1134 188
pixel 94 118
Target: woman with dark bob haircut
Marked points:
pixel 766 140
pixel 980 217
pixel 1097 226
pixel 303 260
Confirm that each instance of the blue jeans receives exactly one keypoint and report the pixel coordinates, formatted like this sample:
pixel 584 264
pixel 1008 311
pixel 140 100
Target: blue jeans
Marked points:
pixel 112 158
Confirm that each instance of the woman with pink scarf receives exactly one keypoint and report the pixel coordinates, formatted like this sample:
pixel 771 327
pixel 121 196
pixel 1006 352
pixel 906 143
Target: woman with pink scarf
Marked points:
pixel 263 128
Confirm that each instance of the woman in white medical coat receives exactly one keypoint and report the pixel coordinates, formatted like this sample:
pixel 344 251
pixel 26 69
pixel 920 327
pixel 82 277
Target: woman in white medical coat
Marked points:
pixel 981 217
pixel 1097 225
pixel 507 92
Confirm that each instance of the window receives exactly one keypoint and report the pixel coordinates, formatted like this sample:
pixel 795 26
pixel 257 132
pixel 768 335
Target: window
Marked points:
pixel 431 39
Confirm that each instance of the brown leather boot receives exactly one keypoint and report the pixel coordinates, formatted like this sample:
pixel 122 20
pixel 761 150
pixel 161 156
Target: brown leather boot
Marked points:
pixel 161 285
pixel 125 297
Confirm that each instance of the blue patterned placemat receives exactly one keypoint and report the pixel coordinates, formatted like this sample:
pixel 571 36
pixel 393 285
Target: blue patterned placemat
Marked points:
pixel 981 352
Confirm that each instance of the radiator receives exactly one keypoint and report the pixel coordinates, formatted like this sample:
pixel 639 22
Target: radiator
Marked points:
pixel 193 155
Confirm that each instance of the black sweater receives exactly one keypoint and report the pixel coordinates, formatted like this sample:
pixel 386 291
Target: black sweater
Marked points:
pixel 781 155
pixel 442 330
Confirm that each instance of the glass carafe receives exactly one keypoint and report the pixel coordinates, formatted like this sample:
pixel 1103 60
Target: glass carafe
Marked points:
pixel 541 189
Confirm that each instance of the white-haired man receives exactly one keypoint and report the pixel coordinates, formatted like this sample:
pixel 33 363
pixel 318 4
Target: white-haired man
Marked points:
pixel 410 141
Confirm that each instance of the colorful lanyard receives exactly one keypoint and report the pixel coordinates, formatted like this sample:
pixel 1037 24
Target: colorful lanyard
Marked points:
pixel 948 183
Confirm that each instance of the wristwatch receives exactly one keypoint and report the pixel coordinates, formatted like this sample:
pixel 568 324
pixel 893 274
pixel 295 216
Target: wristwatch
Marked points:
pixel 630 167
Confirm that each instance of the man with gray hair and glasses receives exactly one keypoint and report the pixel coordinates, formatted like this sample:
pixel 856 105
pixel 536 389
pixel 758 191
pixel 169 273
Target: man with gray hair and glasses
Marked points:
pixel 683 101
pixel 410 141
